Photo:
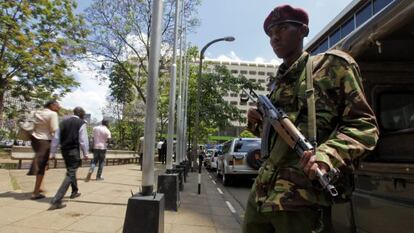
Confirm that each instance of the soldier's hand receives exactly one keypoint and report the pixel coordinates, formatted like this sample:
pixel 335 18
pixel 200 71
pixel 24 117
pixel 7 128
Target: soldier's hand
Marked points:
pixel 254 116
pixel 309 165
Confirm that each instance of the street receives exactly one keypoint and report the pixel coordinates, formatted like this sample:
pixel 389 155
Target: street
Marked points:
pixel 237 193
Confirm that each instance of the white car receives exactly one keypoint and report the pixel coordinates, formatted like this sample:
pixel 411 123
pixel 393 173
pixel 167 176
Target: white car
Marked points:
pixel 239 157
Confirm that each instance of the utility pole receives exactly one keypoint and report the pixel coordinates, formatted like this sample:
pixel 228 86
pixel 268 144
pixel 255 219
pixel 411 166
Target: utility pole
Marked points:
pixel 173 76
pixel 139 205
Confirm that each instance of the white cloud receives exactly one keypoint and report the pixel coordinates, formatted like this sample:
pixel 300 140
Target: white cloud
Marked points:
pixel 91 95
pixel 232 56
pixel 226 57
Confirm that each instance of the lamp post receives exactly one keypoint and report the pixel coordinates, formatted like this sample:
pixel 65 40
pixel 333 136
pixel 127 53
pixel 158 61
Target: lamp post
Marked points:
pixel 200 68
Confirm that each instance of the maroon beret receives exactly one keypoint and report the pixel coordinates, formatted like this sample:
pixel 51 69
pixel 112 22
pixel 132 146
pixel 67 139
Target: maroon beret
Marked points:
pixel 283 14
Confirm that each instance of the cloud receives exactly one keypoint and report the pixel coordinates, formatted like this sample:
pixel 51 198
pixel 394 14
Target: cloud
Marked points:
pixel 91 95
pixel 232 56
pixel 226 57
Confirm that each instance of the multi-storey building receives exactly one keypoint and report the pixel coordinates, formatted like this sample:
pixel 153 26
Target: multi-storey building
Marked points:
pixel 254 71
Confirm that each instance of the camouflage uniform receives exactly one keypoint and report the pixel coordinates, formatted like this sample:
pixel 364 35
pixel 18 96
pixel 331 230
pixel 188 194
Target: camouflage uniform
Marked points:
pixel 282 198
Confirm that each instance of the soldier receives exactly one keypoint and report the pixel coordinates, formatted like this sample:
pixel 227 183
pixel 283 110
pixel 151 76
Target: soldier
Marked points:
pixel 284 197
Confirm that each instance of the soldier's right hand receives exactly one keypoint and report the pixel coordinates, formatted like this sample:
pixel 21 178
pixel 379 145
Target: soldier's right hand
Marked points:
pixel 254 116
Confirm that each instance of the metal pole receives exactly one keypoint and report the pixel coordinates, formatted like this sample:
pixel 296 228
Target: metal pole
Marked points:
pixel 173 75
pixel 178 155
pixel 151 105
pixel 197 116
pixel 185 141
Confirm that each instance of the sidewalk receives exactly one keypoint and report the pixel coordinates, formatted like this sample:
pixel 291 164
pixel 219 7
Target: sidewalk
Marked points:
pixel 102 205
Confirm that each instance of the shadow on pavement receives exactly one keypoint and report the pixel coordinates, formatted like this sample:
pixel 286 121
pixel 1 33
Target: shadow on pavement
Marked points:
pixel 99 203
pixel 23 196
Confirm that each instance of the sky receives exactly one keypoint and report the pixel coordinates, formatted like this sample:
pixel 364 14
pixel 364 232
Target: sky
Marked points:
pixel 242 19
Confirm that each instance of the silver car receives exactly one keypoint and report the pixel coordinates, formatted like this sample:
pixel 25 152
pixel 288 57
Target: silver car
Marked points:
pixel 239 156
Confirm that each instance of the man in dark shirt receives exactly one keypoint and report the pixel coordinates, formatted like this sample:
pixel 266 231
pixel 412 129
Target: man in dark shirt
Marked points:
pixel 72 137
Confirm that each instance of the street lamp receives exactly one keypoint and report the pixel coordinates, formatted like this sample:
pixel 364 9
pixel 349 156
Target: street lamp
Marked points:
pixel 200 68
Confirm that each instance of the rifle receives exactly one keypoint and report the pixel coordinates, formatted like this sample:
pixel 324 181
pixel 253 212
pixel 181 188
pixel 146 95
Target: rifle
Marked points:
pixel 275 117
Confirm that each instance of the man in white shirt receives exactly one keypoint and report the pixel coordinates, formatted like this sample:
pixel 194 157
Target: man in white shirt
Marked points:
pixel 101 135
pixel 159 148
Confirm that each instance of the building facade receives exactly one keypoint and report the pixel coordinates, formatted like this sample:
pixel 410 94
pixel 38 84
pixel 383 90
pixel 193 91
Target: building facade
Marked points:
pixel 255 72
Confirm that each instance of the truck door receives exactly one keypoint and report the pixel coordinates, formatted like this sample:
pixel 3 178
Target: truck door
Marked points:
pixel 383 200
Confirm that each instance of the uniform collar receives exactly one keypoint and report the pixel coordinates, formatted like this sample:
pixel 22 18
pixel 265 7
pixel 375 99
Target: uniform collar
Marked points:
pixel 292 73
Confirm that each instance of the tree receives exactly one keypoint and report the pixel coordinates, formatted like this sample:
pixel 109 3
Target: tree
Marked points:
pixel 36 38
pixel 215 113
pixel 120 32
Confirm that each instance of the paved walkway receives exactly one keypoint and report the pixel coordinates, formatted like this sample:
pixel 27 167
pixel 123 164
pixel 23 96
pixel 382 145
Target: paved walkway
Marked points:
pixel 102 205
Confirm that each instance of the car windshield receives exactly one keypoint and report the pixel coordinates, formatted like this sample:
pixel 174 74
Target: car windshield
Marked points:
pixel 246 146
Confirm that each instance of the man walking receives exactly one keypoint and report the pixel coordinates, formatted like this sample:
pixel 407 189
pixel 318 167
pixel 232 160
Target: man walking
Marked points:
pixel 283 198
pixel 46 124
pixel 72 137
pixel 101 135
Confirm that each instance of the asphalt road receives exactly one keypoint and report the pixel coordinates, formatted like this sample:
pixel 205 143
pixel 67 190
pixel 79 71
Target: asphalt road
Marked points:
pixel 237 192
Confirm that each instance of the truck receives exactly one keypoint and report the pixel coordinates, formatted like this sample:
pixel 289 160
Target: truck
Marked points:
pixel 379 34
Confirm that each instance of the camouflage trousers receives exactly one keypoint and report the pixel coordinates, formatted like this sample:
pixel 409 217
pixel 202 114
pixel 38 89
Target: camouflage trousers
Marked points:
pixel 310 220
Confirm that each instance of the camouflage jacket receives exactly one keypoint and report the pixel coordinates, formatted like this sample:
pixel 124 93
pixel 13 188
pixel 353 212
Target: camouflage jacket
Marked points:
pixel 346 129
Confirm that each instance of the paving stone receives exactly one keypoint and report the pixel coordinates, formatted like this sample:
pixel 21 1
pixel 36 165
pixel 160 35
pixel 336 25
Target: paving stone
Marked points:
pixel 97 224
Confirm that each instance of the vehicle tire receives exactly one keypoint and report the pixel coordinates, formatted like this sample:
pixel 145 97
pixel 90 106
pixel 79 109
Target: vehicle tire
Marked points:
pixel 227 179
pixel 218 171
pixel 254 159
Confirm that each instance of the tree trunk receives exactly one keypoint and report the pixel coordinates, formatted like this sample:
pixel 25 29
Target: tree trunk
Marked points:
pixel 2 92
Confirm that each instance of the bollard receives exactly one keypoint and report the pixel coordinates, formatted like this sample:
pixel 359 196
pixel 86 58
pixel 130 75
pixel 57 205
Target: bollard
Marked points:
pixel 200 162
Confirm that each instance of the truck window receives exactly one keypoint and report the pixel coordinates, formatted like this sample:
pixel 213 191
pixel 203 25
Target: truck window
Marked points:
pixel 397 111
pixel 396 121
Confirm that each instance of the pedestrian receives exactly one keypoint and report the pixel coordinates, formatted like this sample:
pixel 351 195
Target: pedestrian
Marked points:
pixel 283 197
pixel 101 136
pixel 164 151
pixel 45 126
pixel 159 148
pixel 73 138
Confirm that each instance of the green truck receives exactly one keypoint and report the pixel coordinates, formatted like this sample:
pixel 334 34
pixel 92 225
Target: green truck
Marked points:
pixel 382 42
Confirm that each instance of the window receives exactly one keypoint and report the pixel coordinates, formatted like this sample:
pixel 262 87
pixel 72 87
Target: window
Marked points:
pixel 246 146
pixel 397 111
pixel 261 73
pixel 323 46
pixel 380 4
pixel 252 72
pixel 233 102
pixel 233 94
pixel 396 118
pixel 234 71
pixel 334 37
pixel 252 80
pixel 347 27
pixel 243 103
pixel 270 74
pixel 226 147
pixel 261 81
pixel 243 71
pixel 364 14
pixel 252 104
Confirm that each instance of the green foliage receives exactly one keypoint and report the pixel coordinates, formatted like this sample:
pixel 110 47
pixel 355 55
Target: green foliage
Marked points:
pixel 120 32
pixel 215 113
pixel 247 134
pixel 120 85
pixel 36 38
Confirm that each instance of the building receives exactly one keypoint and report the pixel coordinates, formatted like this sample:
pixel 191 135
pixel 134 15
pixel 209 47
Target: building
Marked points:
pixel 254 71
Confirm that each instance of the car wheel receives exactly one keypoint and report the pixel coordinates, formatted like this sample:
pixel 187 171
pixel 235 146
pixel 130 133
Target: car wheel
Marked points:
pixel 226 178
pixel 218 171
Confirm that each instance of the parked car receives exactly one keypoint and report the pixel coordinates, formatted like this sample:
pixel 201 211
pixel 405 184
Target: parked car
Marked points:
pixel 239 157
pixel 207 159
